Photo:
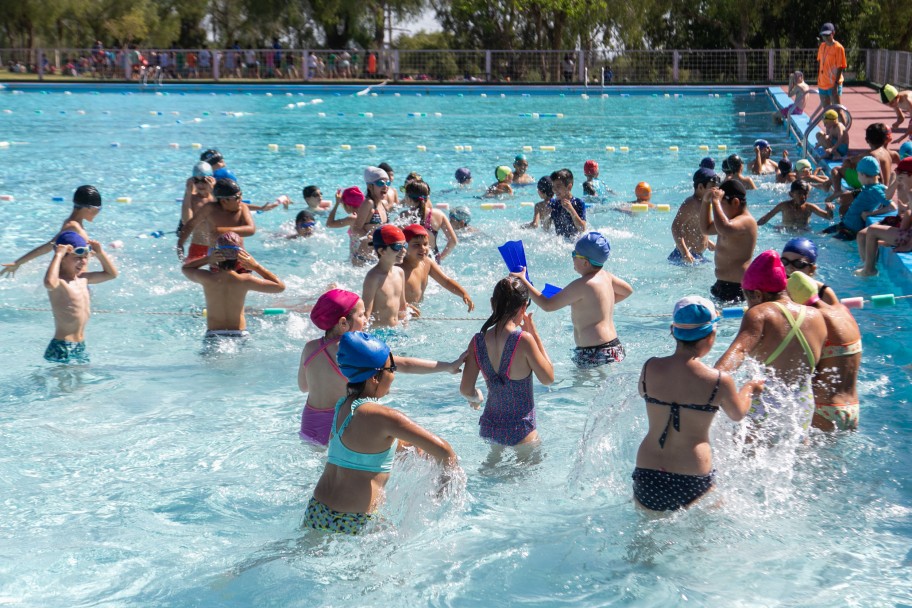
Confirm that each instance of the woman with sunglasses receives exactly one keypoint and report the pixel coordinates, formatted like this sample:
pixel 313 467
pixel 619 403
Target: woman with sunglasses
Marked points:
pixel 800 253
pixel 418 196
pixel 364 438
pixel 372 213
pixel 509 338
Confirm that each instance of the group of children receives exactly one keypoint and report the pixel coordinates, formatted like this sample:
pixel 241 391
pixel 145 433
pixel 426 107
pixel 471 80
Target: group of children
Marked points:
pixel 345 370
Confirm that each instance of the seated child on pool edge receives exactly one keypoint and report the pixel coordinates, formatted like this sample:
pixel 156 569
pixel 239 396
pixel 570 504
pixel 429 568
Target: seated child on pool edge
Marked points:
pixel 591 299
pixel 67 284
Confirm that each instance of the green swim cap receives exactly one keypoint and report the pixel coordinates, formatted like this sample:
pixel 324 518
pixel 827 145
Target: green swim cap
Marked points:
pixel 519 157
pixel 501 172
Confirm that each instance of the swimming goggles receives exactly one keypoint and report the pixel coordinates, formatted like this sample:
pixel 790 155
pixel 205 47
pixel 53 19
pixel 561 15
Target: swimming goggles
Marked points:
pixel 382 182
pixel 307 224
pixel 392 366
pixel 398 246
pixel 83 251
pixel 234 247
pixel 796 264
pixel 576 255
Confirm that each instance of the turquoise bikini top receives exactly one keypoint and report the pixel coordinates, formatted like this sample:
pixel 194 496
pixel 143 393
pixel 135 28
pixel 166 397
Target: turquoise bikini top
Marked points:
pixel 341 456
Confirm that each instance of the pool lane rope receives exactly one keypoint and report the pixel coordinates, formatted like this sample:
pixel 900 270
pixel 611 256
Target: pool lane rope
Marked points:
pixel 885 300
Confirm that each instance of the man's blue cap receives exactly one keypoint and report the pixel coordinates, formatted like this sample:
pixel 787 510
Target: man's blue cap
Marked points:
pixel 761 143
pixel 595 247
pixel 704 176
pixel 708 163
pixel 803 247
pixel 361 355
pixel 693 319
pixel 868 166
pixel 70 238
pixel 905 150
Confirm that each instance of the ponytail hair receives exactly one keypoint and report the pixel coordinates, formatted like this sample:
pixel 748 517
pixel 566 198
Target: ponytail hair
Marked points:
pixel 420 188
pixel 510 294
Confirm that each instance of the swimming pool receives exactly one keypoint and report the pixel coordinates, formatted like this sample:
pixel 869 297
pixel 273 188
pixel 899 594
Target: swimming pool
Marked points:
pixel 158 476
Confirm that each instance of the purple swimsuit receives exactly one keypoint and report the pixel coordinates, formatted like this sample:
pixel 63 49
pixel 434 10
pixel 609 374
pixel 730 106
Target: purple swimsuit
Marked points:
pixel 509 414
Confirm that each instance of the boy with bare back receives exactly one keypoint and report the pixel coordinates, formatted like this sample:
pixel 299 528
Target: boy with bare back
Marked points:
pixel 226 214
pixel 197 194
pixel 796 212
pixel 591 299
pixel 724 213
pixel 226 285
pixel 418 266
pixel 384 285
pixel 67 284
pixel 86 207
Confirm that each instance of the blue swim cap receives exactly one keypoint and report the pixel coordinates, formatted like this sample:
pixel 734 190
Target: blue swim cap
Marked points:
pixel 70 238
pixel 463 174
pixel 594 247
pixel 803 247
pixel 905 150
pixel 361 355
pixel 868 166
pixel 705 175
pixel 761 143
pixel 708 163
pixel 693 319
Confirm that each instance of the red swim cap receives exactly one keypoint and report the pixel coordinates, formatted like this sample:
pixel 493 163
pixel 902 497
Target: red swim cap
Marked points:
pixel 387 234
pixel 590 167
pixel 765 273
pixel 413 230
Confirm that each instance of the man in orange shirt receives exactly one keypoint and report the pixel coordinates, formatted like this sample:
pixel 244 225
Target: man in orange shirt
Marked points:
pixel 832 58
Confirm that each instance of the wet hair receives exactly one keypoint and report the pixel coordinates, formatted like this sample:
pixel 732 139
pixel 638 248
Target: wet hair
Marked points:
pixel 565 176
pixel 87 196
pixel 228 264
pixel 510 294
pixel 303 216
pixel 310 191
pixel 414 176
pixel 800 184
pixel 588 189
pixel 876 134
pixel 732 164
pixel 419 188
pixel 544 185
pixel 386 167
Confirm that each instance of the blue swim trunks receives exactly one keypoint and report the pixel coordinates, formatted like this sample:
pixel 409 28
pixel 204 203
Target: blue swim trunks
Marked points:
pixel 677 259
pixel 61 351
pixel 837 90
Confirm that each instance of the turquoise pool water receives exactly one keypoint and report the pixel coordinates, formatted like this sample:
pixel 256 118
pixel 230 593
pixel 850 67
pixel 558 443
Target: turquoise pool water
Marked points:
pixel 157 476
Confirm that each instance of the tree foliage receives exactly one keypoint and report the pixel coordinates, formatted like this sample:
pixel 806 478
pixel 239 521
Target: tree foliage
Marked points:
pixel 468 24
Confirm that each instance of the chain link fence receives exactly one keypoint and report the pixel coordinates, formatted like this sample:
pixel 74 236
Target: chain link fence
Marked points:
pixel 603 67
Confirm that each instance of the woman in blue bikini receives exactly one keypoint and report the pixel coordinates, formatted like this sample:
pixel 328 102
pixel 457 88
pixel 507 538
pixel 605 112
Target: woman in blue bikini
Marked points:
pixel 674 462
pixel 363 440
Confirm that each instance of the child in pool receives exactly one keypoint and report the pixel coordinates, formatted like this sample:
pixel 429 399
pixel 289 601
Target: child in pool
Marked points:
pixel 313 198
pixel 541 211
pixel 418 266
pixel 785 172
pixel 305 224
pixel 733 167
pixel 815 177
pixel 502 187
pixel 643 193
pixel 384 284
pixel 592 186
pixel 67 284
pixel 351 199
pixel 507 351
pixel 591 299
pixel 460 219
pixel 86 207
pixel 796 212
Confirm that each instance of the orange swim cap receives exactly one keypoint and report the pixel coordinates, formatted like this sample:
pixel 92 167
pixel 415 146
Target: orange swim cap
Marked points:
pixel 643 191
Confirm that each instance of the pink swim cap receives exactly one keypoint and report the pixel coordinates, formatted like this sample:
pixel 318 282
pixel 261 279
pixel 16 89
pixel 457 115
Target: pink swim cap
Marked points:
pixel 332 306
pixel 353 197
pixel 765 273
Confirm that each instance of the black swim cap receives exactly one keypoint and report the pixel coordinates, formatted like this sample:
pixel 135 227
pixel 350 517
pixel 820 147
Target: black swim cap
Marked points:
pixel 211 156
pixel 733 162
pixel 87 196
pixel 225 188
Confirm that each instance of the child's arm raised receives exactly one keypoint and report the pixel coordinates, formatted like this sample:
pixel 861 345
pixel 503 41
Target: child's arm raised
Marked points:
pixel 828 214
pixel 332 222
pixel 108 270
pixel 40 250
pixel 52 276
pixel 771 214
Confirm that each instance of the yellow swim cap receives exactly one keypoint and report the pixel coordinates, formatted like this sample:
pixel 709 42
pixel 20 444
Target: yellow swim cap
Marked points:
pixel 831 115
pixel 802 288
pixel 888 93
pixel 501 172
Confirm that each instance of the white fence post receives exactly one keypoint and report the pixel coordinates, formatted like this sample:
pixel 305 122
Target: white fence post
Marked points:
pixel 675 65
pixel 216 60
pixel 895 67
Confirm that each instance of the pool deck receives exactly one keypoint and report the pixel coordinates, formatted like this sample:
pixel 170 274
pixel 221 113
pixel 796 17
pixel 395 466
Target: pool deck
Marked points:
pixel 865 106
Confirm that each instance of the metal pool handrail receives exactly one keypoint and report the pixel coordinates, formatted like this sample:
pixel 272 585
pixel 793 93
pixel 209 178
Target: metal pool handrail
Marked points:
pixel 818 116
